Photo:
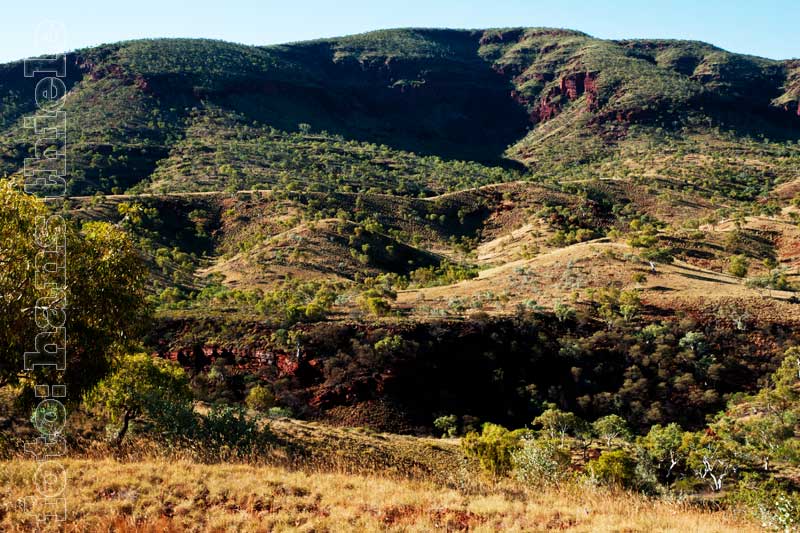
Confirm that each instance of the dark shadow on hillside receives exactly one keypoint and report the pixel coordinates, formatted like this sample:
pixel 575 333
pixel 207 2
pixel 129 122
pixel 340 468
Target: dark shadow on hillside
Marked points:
pixel 455 107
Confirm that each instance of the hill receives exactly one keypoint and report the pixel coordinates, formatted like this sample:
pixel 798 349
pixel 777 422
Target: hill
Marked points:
pixel 400 110
pixel 424 232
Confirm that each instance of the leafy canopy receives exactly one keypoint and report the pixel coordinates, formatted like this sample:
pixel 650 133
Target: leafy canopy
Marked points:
pixel 96 294
pixel 135 381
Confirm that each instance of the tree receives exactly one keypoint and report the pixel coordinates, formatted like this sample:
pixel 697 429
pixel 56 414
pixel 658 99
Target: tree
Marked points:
pixel 738 266
pixel 711 458
pixel 376 305
pixel 138 385
pixel 765 435
pixel 784 392
pixel 557 423
pixel 733 240
pixel 663 445
pixel 563 312
pixel 787 376
pixel 611 427
pixel 629 304
pixel 614 303
pixel 694 340
pixel 584 433
pixel 96 294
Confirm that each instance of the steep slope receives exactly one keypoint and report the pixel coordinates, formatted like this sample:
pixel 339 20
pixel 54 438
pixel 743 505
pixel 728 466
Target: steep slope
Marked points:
pixel 560 102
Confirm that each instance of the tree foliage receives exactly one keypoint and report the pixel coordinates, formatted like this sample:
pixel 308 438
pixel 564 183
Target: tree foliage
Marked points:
pixel 493 447
pixel 611 427
pixel 96 292
pixel 138 385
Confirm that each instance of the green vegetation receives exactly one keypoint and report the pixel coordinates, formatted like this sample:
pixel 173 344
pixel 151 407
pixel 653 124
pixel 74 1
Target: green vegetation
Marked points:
pixel 102 286
pixel 493 447
pixel 448 425
pixel 260 398
pixel 172 115
pixel 425 232
pixel 738 454
pixel 738 266
pixel 540 462
pixel 615 468
pixel 610 428
pixel 138 385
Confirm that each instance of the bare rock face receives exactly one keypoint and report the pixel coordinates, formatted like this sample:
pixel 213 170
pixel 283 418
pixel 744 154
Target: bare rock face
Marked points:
pixel 570 87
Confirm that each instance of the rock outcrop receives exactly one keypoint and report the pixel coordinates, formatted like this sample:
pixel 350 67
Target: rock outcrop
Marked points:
pixel 570 87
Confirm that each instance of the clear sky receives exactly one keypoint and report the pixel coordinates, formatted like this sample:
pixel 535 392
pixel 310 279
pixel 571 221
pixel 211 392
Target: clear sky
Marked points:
pixel 769 28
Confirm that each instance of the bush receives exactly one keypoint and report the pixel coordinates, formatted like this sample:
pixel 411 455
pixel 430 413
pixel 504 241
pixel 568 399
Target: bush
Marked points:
pixel 376 305
pixel 493 447
pixel 222 434
pixel 776 508
pixel 227 432
pixel 390 344
pixel 564 312
pixel 738 266
pixel 616 468
pixel 260 398
pixel 658 255
pixel 540 462
pixel 137 387
pixel 448 425
pixel 296 302
pixel 776 280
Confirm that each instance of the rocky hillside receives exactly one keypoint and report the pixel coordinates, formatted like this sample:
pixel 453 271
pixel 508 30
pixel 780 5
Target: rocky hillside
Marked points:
pixel 407 105
pixel 352 219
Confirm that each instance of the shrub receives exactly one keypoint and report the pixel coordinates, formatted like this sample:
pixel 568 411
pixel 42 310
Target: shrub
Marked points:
pixel 563 312
pixel 376 305
pixel 448 425
pixel 629 304
pixel 776 280
pixel 658 255
pixel 260 398
pixel 493 447
pixel 540 462
pixel 615 468
pixel 776 508
pixel 390 344
pixel 228 432
pixel 738 266
pixel 293 302
pixel 222 434
pixel 137 387
pixel 279 412
pixel 445 274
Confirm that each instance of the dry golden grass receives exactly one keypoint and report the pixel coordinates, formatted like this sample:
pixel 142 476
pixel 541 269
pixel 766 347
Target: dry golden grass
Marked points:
pixel 157 495
pixel 567 274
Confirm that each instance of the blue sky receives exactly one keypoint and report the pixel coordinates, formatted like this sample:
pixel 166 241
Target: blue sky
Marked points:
pixel 767 28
